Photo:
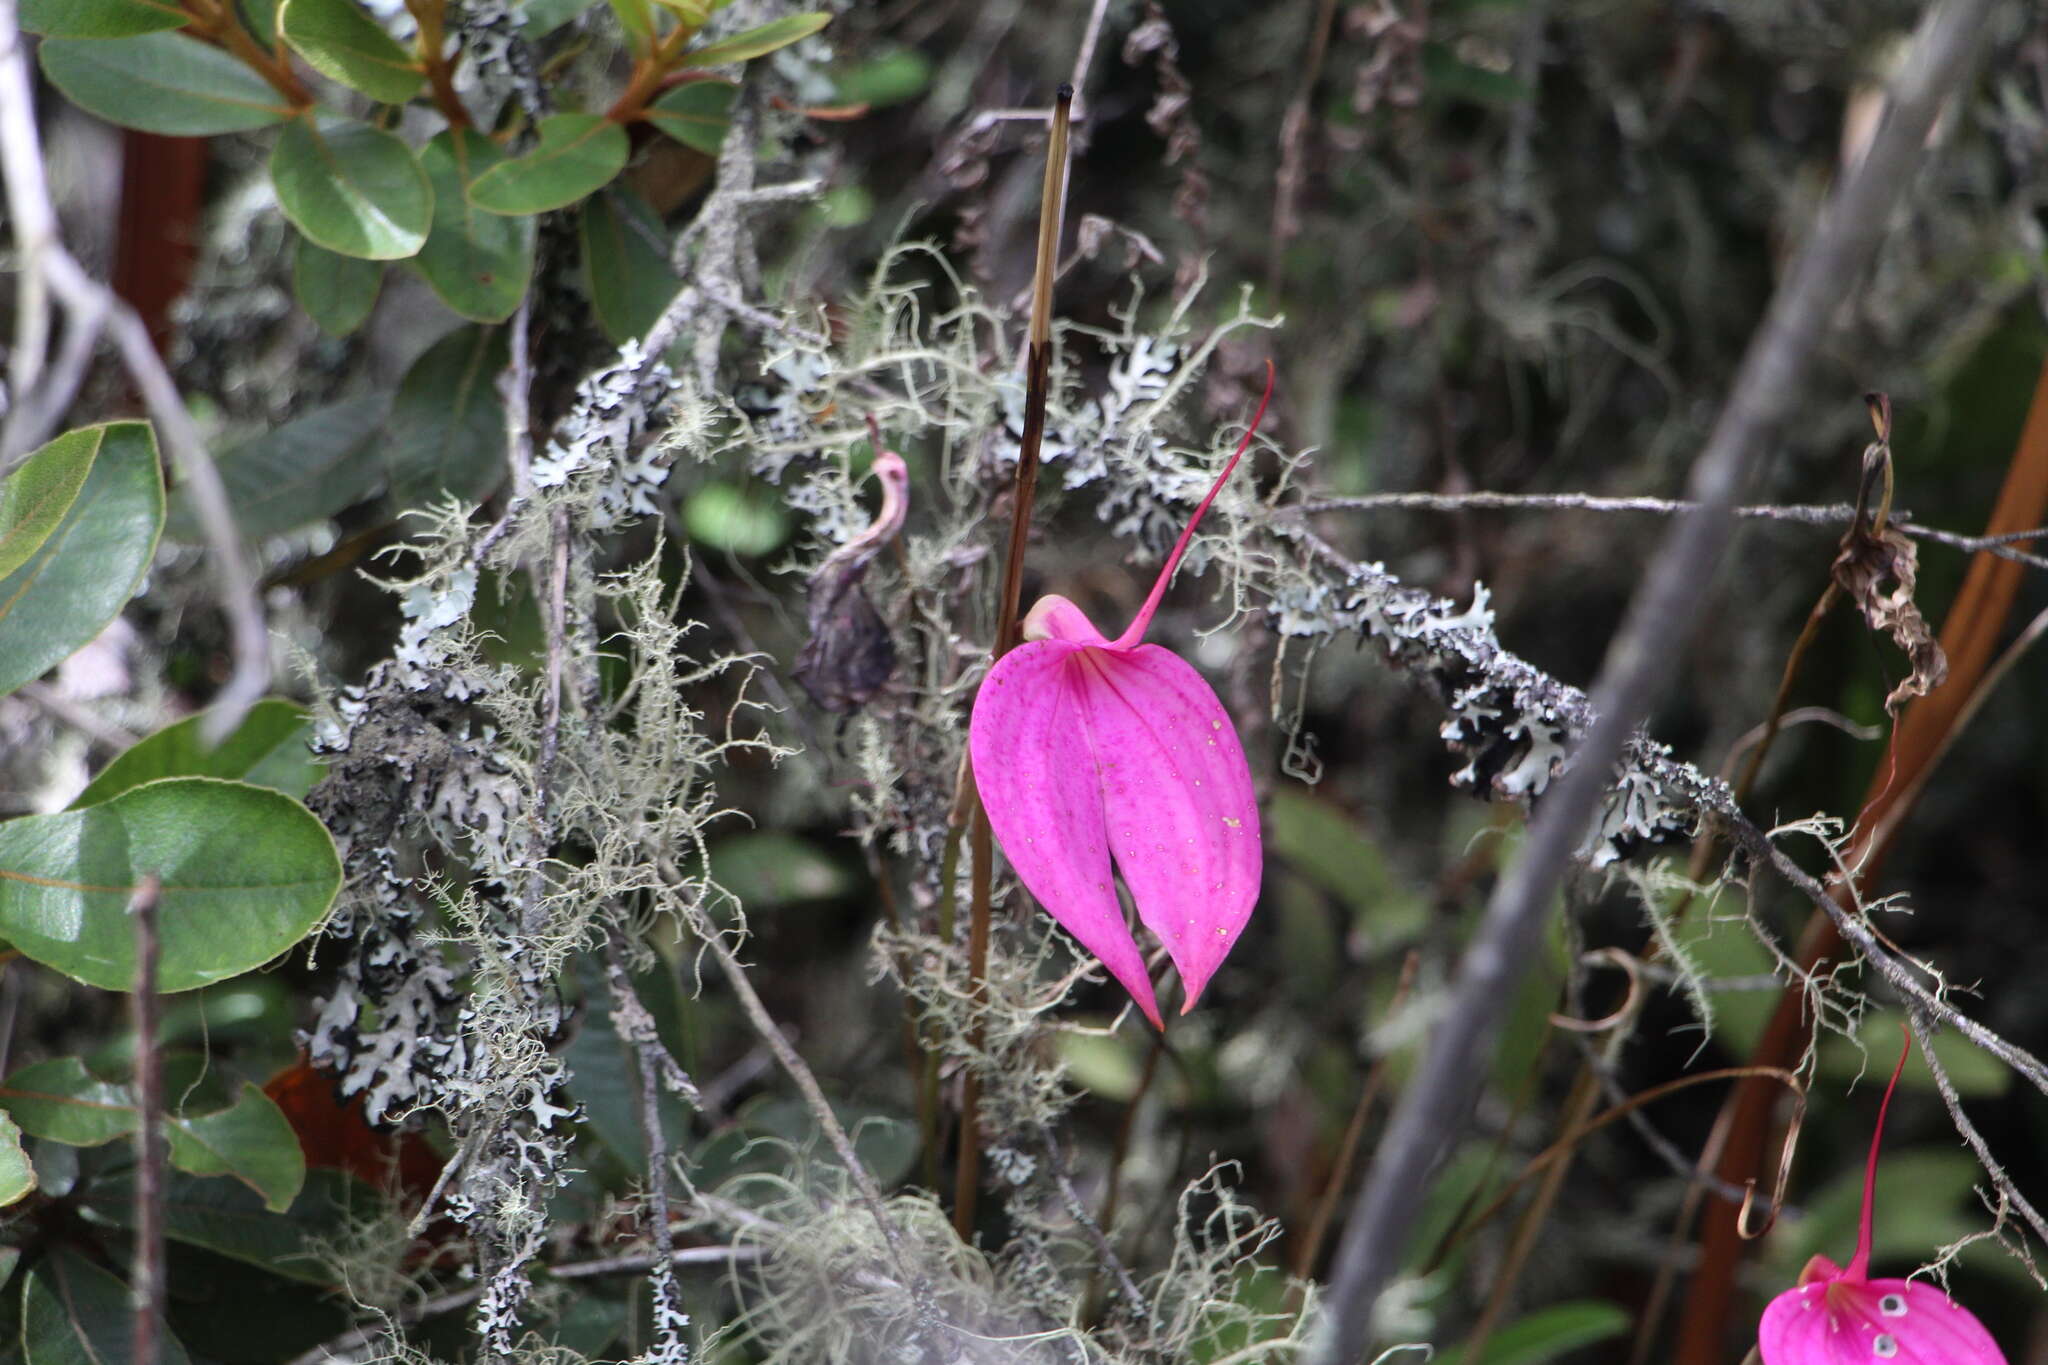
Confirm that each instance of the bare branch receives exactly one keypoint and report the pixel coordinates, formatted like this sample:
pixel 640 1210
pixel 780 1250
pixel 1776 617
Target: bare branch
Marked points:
pixel 90 304
pixel 1639 663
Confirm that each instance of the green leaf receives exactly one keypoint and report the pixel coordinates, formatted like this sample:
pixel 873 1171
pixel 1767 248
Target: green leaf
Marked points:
pixel 539 18
pixel 887 78
pixel 268 749
pixel 578 154
pixel 477 262
pixel 260 17
pixel 447 428
pixel 251 1140
pixel 307 469
pixel 740 521
pixel 161 83
pixel 342 42
pixel 695 114
pixel 757 42
pixel 73 583
pixel 229 1218
pixel 246 873
pixel 352 188
pixel 74 1313
pixel 231 1313
pixel 63 1102
pixel 17 1175
pixel 625 262
pixel 100 18
pixel 637 18
pixel 1550 1333
pixel 35 497
pixel 336 291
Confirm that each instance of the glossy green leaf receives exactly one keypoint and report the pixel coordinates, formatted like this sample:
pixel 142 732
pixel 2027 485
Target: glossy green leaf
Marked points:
pixel 352 188
pixel 62 1101
pixel 74 1313
pixel 307 469
pixel 695 114
pixel 246 873
pixel 578 155
pixel 268 749
pixel 336 291
pixel 625 262
pixel 17 1174
pixel 757 42
pixel 35 497
pixel 341 41
pixel 1551 1334
pixel 100 18
pixel 227 1217
pixel 447 429
pixel 251 1140
pixel 477 262
pixel 161 83
pixel 73 583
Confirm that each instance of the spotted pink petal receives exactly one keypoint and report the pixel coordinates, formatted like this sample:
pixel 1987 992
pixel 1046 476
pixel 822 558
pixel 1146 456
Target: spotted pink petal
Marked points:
pixel 1868 1322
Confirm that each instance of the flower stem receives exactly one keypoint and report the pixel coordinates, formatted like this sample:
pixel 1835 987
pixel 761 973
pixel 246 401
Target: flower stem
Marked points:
pixel 1038 362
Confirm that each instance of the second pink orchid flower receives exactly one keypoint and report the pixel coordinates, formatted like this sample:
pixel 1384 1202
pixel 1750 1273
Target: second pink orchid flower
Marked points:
pixel 1087 748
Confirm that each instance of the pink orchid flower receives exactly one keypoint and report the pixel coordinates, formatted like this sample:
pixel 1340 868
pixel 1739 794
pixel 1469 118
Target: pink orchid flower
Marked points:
pixel 1086 747
pixel 1840 1316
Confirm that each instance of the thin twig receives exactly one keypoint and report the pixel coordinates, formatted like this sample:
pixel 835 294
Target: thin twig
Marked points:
pixel 358 1337
pixel 1807 514
pixel 1640 661
pixel 800 1073
pixel 81 718
pixel 146 1278
pixel 1038 372
pixel 46 264
pixel 658 1070
pixel 1079 1213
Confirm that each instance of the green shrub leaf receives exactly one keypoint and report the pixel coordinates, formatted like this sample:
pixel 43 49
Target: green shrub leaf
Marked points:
pixel 307 469
pixel 268 749
pixel 757 42
pixel 85 569
pixel 35 497
pixel 352 188
pixel 695 114
pixel 246 872
pixel 229 1218
pixel 61 1101
pixel 625 262
pixel 1551 1333
pixel 74 1313
pixel 17 1174
pixel 336 291
pixel 342 42
pixel 447 428
pixel 477 262
pixel 250 1140
pixel 100 18
pixel 161 83
pixel 578 155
